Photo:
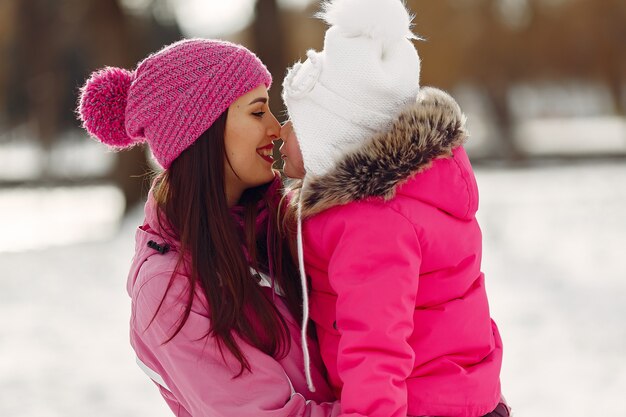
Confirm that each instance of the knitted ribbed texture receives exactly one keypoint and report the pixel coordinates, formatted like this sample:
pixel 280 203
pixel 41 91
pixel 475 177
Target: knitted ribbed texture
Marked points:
pixel 172 97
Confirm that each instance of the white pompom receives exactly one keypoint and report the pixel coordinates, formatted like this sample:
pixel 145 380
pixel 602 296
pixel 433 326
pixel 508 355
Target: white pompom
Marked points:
pixel 379 19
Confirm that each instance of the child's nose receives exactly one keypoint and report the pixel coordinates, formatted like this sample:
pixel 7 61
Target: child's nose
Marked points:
pixel 285 129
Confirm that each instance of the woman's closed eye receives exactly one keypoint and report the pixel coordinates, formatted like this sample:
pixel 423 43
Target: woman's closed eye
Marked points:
pixel 259 113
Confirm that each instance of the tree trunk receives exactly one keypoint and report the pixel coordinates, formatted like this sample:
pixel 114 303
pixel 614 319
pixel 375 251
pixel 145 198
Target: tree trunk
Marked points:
pixel 268 34
pixel 111 43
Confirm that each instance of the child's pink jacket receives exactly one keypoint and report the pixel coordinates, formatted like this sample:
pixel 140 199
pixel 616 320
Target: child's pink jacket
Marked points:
pixel 393 251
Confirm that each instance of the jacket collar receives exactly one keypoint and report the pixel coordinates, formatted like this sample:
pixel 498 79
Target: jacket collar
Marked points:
pixel 428 129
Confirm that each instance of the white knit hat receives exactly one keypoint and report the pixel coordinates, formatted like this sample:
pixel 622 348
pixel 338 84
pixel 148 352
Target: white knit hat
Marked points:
pixel 366 73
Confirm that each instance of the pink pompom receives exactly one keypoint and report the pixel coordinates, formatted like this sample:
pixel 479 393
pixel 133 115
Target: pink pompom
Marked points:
pixel 102 106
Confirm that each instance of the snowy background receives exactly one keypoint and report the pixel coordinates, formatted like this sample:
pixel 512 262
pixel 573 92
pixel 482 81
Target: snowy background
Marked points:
pixel 555 240
pixel 554 224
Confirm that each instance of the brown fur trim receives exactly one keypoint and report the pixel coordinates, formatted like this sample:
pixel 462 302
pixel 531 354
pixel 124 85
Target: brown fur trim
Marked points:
pixel 425 130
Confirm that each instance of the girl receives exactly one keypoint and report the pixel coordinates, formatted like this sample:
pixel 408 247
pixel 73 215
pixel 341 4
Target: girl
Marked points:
pixel 391 242
pixel 215 295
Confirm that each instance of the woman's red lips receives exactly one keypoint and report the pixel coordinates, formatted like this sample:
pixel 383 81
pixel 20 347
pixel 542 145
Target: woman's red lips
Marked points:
pixel 266 152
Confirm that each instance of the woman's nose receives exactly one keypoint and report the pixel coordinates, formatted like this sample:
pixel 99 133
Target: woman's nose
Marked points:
pixel 274 128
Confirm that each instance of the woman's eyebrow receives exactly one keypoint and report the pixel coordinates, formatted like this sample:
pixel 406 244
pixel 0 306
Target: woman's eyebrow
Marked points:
pixel 258 100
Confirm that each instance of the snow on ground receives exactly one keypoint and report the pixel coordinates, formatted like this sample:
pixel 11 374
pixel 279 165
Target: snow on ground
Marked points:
pixel 555 241
pixel 45 217
pixel 64 347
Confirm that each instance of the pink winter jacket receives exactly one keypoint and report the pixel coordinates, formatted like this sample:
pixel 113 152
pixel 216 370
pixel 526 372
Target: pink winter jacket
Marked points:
pixel 393 251
pixel 189 370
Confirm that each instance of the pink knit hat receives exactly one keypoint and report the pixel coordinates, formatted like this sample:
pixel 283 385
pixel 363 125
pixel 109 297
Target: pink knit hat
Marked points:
pixel 172 97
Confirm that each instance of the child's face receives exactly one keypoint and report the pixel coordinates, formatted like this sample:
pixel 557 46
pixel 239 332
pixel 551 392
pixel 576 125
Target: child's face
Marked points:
pixel 290 152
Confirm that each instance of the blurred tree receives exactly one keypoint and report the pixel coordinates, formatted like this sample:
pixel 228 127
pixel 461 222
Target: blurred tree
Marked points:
pixel 7 34
pixel 107 40
pixel 478 42
pixel 37 76
pixel 269 44
pixel 113 38
pixel 53 47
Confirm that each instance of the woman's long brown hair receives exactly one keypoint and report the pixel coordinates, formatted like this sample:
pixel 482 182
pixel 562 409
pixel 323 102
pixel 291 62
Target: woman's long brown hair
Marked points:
pixel 192 201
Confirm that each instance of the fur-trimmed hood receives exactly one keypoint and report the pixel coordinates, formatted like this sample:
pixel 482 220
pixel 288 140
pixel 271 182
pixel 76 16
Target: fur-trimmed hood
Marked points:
pixel 428 129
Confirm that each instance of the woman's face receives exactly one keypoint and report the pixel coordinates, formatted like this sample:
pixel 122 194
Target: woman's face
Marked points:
pixel 290 152
pixel 250 129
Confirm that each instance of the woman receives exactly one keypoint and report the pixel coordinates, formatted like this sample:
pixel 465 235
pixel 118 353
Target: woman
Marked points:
pixel 215 296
